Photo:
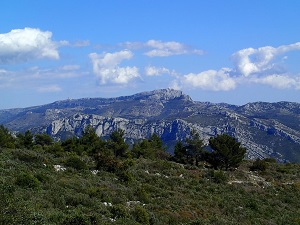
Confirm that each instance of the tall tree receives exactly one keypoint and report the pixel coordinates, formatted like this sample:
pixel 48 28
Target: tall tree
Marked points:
pixel 43 139
pixel 227 152
pixel 6 138
pixel 180 152
pixel 25 140
pixel 194 148
pixel 117 143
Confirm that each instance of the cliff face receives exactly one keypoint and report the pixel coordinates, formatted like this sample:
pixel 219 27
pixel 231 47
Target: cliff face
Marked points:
pixel 265 129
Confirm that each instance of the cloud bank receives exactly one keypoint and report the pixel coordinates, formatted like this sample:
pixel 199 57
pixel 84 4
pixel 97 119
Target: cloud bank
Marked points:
pixel 157 48
pixel 157 71
pixel 22 45
pixel 256 66
pixel 257 61
pixel 210 80
pixel 163 49
pixel 106 67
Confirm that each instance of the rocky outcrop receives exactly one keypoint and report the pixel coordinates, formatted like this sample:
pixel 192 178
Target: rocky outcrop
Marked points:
pixel 265 129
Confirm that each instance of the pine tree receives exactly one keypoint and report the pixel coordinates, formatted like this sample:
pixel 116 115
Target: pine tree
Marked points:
pixel 227 152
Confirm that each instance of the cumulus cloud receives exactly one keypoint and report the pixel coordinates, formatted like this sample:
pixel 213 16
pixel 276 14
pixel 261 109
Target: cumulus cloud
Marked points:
pixel 106 67
pixel 22 45
pixel 210 80
pixel 162 49
pixel 157 71
pixel 257 61
pixel 279 81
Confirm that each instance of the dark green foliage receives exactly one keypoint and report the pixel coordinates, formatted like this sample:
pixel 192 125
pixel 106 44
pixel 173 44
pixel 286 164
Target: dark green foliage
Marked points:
pixel 141 215
pixel 227 152
pixel 194 148
pixel 119 211
pixel 190 152
pixel 76 163
pixel 89 141
pixel 25 140
pixel 140 190
pixel 43 139
pixel 6 139
pixel 217 176
pixel 73 145
pixel 180 152
pixel 150 148
pixel 76 220
pixel 259 165
pixel 56 149
pixel 117 143
pixel 27 180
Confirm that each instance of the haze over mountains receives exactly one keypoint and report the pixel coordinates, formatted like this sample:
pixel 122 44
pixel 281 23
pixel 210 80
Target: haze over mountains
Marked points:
pixel 265 129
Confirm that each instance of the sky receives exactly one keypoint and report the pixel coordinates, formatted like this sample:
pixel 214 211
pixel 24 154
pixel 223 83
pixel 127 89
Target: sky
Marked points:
pixel 233 51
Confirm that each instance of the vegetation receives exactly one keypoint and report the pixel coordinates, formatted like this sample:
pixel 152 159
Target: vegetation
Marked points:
pixel 90 181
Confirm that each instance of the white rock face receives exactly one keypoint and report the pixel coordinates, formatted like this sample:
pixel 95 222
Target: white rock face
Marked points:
pixel 265 129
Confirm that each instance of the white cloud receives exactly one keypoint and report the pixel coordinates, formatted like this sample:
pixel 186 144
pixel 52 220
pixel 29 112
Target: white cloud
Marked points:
pixel 162 49
pixel 107 67
pixel 257 61
pixel 279 81
pixel 156 71
pixel 50 88
pixel 210 80
pixel 22 45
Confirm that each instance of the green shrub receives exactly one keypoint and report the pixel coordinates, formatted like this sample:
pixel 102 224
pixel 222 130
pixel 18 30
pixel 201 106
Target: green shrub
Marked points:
pixel 76 163
pixel 141 215
pixel 28 156
pixel 259 165
pixel 218 176
pixel 27 180
pixel 76 220
pixel 125 176
pixel 119 211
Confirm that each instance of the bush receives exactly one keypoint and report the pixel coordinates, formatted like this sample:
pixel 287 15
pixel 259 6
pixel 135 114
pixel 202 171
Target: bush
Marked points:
pixel 27 180
pixel 119 211
pixel 259 165
pixel 218 176
pixel 76 163
pixel 76 220
pixel 141 215
pixel 227 152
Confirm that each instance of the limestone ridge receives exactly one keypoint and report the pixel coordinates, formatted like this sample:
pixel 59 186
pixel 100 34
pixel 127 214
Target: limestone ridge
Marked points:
pixel 266 129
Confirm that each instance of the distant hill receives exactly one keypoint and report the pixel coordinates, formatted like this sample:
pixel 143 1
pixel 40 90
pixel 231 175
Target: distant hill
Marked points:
pixel 265 129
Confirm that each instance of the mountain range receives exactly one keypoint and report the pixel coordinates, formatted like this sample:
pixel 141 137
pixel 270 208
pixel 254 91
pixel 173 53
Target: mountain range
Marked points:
pixel 265 129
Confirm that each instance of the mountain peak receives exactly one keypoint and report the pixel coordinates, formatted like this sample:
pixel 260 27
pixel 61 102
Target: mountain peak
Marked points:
pixel 164 94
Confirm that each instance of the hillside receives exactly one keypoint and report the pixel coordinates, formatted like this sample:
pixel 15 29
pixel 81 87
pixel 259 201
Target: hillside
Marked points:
pixel 265 129
pixel 41 188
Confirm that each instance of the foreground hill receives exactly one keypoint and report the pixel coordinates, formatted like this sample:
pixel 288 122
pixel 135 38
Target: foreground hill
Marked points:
pixel 265 129
pixel 37 187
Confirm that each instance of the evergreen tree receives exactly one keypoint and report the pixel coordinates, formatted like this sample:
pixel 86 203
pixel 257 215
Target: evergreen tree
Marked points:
pixel 6 138
pixel 152 148
pixel 180 152
pixel 25 140
pixel 227 152
pixel 117 143
pixel 194 148
pixel 43 139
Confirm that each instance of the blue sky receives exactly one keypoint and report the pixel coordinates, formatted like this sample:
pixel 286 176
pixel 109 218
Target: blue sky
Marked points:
pixel 234 51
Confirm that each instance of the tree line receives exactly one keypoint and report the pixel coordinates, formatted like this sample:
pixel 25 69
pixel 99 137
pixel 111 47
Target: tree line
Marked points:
pixel 112 154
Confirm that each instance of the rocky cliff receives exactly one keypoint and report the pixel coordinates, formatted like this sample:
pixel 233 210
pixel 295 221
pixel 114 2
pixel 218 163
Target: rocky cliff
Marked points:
pixel 265 129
